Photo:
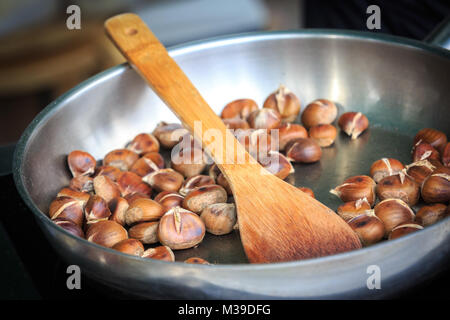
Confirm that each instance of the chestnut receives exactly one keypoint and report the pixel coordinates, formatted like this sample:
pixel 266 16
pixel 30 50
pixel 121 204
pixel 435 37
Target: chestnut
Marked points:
pixel 219 218
pixel 419 170
pixel 159 253
pixel 118 208
pixel 129 246
pixel 194 182
pixel 264 119
pixel 134 196
pixel 351 209
pixel 304 150
pixel 144 143
pixel 308 191
pixel 164 180
pixel 146 232
pixel 256 142
pixel 285 102
pixel 106 233
pixel 69 226
pixel 188 161
pixel 240 108
pixel 142 210
pixel 436 188
pixel 403 230
pixel 82 184
pixel 106 188
pixel 169 200
pixel 288 132
pixel 122 159
pixel 368 227
pixel 81 163
pixel 196 260
pixel 446 155
pixel 430 214
pixel 424 151
pixel 111 172
pixel 169 134
pixel 180 229
pixel 149 162
pixel 385 167
pixel 68 209
pixel 277 164
pixel 130 183
pixel 320 111
pixel 82 197
pixel 96 210
pixel 353 123
pixel 393 212
pixel 236 123
pixel 199 198
pixel 323 134
pixel 397 187
pixel 437 139
pixel 223 182
pixel 355 188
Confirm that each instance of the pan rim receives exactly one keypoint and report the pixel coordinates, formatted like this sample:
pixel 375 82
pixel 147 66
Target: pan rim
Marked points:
pixel 174 51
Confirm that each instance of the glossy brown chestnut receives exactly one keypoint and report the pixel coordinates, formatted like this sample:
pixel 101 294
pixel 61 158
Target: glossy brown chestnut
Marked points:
pixel 223 182
pixel 323 134
pixel 169 134
pixel 352 209
pixel 403 230
pixel 106 233
pixel 277 164
pixel 69 226
pixel 393 212
pixel 144 143
pixel 256 142
pixel 285 102
pixel 67 208
pixel 169 200
pixel 159 253
pixel 106 188
pixel 195 182
pixel 142 210
pixel 130 183
pixel 419 170
pixel 164 180
pixel 82 197
pixel 355 188
pixel 264 119
pixel 303 150
pixel 146 232
pixel 131 197
pixel 236 123
pixel 122 159
pixel 82 184
pixel 81 163
pixel 188 161
pixel 398 187
pixel 199 198
pixel 424 151
pixel 320 111
pixel 308 191
pixel 368 227
pixel 436 188
pixel 353 123
pixel 130 246
pixel 196 260
pixel 149 162
pixel 118 208
pixel 288 132
pixel 180 229
pixel 219 218
pixel 96 210
pixel 385 167
pixel 240 108
pixel 435 138
pixel 111 172
pixel 430 214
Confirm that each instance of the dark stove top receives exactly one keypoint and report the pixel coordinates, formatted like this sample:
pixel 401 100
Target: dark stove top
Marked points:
pixel 31 269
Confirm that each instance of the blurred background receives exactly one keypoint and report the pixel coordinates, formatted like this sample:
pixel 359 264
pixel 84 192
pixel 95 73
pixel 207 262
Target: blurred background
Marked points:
pixel 40 58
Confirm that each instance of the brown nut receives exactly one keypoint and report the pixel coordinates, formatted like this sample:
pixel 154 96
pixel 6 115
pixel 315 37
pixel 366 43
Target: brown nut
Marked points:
pixel 236 123
pixel 393 212
pixel 403 230
pixel 68 209
pixel 285 102
pixel 303 150
pixel 69 226
pixel 195 182
pixel 419 170
pixel 353 123
pixel 106 188
pixel 323 134
pixel 81 163
pixel 159 253
pixel 111 172
pixel 164 180
pixel 169 134
pixel 142 210
pixel 277 164
pixel 122 159
pixel 188 161
pixel 118 208
pixel 96 210
pixel 424 151
pixel 264 119
pixel 351 209
pixel 199 198
pixel 106 233
pixel 196 260
pixel 446 155
pixel 144 143
pixel 436 188
pixel 146 232
pixel 131 197
pixel 130 183
pixel 437 139
pixel 368 227
pixel 169 200
pixel 399 187
pixel 82 197
pixel 385 167
pixel 321 111
pixel 428 215
pixel 355 188
pixel 288 132
pixel 129 246
pixel 219 218
pixel 308 191
pixel 256 142
pixel 223 182
pixel 150 162
pixel 82 184
pixel 240 108
pixel 180 229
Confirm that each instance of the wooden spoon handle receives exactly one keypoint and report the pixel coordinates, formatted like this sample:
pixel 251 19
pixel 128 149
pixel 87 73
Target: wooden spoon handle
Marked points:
pixel 151 59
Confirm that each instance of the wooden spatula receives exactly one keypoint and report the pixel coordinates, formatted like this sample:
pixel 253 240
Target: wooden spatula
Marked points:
pixel 277 222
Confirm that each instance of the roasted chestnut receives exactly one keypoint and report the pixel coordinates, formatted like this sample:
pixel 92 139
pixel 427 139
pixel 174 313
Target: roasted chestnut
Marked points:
pixel 82 184
pixel 118 208
pixel 142 210
pixel 355 188
pixel 397 187
pixel 393 212
pixel 68 209
pixel 264 119
pixel 277 164
pixel 169 134
pixel 159 253
pixel 435 138
pixel 144 143
pixel 219 218
pixel 256 142
pixel 368 227
pixel 419 170
pixel 288 132
pixel 106 233
pixel 285 102
pixel 403 230
pixel 385 167
pixel 122 159
pixel 188 161
pixel 96 210
pixel 240 108
pixel 430 214
pixel 236 123
pixel 351 209
pixel 169 200
pixel 424 151
pixel 164 180
pixel 111 172
pixel 82 197
pixel 304 150
pixel 196 260
pixel 130 183
pixel 150 162
pixel 69 226
pixel 194 182
pixel 320 111
pixel 323 134
pixel 353 123
pixel 436 188
pixel 129 246
pixel 106 188
pixel 199 198
pixel 81 163
pixel 146 232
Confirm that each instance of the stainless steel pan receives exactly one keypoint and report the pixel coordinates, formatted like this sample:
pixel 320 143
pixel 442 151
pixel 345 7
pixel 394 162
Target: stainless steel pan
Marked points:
pixel 400 84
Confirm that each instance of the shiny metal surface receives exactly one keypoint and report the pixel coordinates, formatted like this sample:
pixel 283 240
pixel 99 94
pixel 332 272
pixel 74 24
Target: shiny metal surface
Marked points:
pixel 401 85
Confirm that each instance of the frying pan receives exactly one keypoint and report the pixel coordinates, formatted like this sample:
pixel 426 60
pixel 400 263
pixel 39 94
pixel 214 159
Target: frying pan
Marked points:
pixel 400 84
